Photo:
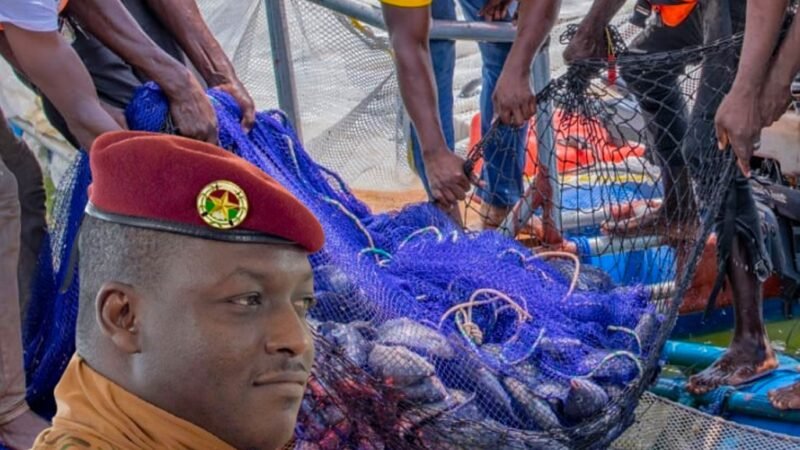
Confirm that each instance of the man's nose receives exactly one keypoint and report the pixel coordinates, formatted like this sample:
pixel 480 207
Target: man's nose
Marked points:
pixel 287 332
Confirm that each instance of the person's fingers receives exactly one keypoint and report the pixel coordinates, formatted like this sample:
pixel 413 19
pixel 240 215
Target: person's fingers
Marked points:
pixel 249 116
pixel 505 115
pixel 743 167
pixel 449 196
pixel 518 117
pixel 722 137
pixel 499 12
pixel 530 108
pixel 463 183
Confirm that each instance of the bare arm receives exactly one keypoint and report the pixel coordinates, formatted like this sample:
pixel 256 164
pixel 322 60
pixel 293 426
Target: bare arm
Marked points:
pixel 590 41
pixel 408 31
pixel 775 96
pixel 110 22
pixel 760 37
pixel 738 119
pixel 54 67
pixel 183 19
pixel 514 101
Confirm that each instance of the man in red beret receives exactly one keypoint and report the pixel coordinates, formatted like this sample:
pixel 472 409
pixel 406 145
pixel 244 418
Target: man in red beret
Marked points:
pixel 195 284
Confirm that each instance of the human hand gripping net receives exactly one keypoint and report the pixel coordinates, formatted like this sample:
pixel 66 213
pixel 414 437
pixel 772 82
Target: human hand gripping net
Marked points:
pixel 429 336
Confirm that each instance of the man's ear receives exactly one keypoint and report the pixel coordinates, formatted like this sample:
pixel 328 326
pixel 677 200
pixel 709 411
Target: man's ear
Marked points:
pixel 117 315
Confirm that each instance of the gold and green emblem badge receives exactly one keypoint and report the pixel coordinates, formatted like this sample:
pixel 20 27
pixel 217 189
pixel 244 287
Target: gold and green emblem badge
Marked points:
pixel 222 204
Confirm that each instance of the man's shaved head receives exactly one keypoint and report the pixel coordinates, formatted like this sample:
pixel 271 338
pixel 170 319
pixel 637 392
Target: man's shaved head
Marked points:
pixel 114 252
pixel 213 332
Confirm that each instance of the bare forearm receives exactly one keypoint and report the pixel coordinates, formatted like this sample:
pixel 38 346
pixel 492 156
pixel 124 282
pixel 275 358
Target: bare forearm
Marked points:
pixel 536 19
pixel 183 19
pixel 415 76
pixel 53 66
pixel 600 13
pixel 787 64
pixel 760 36
pixel 408 31
pixel 111 23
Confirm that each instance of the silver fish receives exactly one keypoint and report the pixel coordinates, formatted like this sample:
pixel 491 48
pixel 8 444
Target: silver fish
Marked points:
pixel 536 410
pixel 399 364
pixel 349 340
pixel 526 371
pixel 559 347
pixel 584 399
pixel 429 390
pixel 493 396
pixel 646 330
pixel 420 338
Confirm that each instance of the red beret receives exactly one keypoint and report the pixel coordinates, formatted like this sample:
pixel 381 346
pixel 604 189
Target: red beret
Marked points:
pixel 180 185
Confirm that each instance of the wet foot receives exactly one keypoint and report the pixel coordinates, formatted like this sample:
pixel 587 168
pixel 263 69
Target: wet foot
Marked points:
pixel 741 363
pixel 22 431
pixel 786 397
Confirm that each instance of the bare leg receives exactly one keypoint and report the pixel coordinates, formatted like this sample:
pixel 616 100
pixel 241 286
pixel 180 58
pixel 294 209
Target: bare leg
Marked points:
pixel 493 216
pixel 675 218
pixel 749 354
pixel 787 397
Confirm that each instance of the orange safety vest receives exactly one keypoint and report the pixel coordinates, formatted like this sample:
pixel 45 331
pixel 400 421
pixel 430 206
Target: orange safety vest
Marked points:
pixel 61 5
pixel 674 13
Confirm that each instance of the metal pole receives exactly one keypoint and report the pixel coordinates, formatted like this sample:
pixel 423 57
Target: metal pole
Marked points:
pixel 441 29
pixel 282 61
pixel 516 220
pixel 544 129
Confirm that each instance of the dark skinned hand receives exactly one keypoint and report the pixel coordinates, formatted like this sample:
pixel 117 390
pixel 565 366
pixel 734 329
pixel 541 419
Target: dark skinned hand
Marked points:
pixel 192 113
pixel 494 10
pixel 514 102
pixel 446 178
pixel 588 42
pixel 738 124
pixel 235 88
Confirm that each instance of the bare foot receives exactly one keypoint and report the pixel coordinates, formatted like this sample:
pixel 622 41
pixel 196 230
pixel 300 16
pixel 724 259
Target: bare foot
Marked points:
pixel 22 431
pixel 742 362
pixel 786 397
pixel 492 216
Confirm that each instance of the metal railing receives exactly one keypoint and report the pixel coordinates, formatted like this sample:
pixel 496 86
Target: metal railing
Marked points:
pixel 440 29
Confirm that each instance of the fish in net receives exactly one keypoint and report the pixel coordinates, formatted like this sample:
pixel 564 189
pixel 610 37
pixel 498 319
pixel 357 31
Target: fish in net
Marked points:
pixel 431 336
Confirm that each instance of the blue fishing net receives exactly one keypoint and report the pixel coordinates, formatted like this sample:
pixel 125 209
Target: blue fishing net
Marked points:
pixel 430 336
pixel 49 331
pixel 431 313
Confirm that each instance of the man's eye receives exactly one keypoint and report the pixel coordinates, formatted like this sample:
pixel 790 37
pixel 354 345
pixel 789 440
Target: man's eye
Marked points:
pixel 308 302
pixel 247 300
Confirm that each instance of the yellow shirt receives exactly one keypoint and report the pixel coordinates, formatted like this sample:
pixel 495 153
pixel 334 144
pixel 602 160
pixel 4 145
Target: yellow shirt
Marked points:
pixel 407 3
pixel 94 413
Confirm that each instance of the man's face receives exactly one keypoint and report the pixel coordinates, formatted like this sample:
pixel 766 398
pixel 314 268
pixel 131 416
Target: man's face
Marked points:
pixel 224 340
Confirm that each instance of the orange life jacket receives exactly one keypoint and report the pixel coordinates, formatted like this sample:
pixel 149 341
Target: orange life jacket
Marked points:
pixel 61 5
pixel 673 13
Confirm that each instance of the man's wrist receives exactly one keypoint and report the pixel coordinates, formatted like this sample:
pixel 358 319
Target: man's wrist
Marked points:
pixel 746 87
pixel 173 77
pixel 434 149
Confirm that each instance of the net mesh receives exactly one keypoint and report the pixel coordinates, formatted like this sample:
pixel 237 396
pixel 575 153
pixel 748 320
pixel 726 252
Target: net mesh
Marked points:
pixel 543 334
pixel 665 425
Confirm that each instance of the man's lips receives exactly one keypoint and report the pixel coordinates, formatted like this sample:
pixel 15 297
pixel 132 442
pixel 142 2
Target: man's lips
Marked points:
pixel 299 378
